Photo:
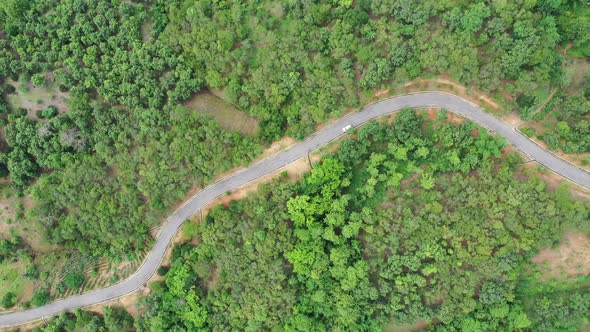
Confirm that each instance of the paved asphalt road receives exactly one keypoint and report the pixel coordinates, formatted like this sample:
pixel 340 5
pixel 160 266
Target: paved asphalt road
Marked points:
pixel 327 134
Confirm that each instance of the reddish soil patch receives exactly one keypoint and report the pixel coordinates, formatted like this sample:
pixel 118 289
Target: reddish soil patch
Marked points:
pixel 512 118
pixel 444 84
pixel 571 258
pixel 381 93
pixel 419 325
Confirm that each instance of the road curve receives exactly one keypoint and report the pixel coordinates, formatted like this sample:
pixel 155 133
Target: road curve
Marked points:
pixel 320 138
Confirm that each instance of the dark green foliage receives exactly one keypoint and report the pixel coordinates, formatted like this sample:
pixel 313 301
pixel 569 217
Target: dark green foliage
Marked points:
pixel 74 280
pixel 8 89
pixel 32 272
pixel 292 68
pixel 79 320
pixel 9 300
pixel 114 319
pixel 41 297
pixel 49 112
pixel 572 132
pixel 526 105
pixel 117 319
pixel 125 151
pixel 321 55
pixel 560 311
pixel 162 270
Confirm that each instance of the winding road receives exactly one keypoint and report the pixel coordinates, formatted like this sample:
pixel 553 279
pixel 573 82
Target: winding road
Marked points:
pixel 274 162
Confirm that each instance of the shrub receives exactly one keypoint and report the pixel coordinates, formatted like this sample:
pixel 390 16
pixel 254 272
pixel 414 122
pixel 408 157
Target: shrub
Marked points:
pixel 74 280
pixel 23 88
pixel 38 80
pixel 9 300
pixel 32 272
pixel 9 89
pixel 41 297
pixel 20 111
pixel 49 112
pixel 157 287
pixel 162 270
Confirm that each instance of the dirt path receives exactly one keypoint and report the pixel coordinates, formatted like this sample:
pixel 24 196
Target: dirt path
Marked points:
pixel 549 98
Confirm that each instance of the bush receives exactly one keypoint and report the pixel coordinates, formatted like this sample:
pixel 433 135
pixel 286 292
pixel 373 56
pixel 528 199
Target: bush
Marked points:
pixel 23 88
pixel 38 80
pixel 529 132
pixel 61 288
pixel 41 297
pixel 117 319
pixel 9 300
pixel 49 112
pixel 32 272
pixel 74 280
pixel 157 287
pixel 9 89
pixel 20 111
pixel 162 270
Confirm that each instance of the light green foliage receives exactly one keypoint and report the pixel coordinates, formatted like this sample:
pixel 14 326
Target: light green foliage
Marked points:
pixel 326 254
pixel 107 170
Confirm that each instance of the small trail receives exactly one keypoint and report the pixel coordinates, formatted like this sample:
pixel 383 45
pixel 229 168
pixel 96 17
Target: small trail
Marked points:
pixel 549 98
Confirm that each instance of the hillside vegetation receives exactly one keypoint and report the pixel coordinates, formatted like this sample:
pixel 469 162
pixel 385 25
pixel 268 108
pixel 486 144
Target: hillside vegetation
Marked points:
pixel 415 221
pixel 100 137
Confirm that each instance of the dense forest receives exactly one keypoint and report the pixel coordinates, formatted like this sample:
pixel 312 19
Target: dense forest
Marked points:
pixel 108 164
pixel 299 62
pixel 125 149
pixel 415 221
pixel 128 65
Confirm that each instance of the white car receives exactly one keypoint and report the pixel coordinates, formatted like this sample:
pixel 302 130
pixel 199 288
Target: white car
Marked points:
pixel 347 128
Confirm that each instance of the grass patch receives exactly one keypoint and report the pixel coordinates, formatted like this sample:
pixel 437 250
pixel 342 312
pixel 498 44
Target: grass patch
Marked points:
pixel 228 116
pixel 580 51
pixel 575 69
pixel 11 279
pixel 37 98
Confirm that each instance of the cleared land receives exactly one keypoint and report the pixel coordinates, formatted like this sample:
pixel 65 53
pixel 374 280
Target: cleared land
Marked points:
pixel 34 98
pixel 226 114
